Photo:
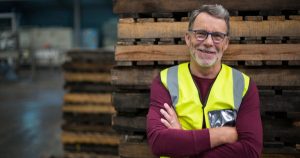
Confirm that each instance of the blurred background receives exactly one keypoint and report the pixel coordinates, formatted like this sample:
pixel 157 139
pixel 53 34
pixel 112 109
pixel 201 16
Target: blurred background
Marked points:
pixel 75 75
pixel 35 36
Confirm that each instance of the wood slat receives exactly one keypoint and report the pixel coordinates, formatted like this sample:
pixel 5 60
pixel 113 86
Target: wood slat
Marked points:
pixel 96 56
pixel 88 128
pixel 87 155
pixel 86 67
pixel 237 29
pixel 93 138
pixel 130 102
pixel 87 119
pixel 135 150
pixel 148 6
pixel 92 149
pixel 134 124
pixel 234 52
pixel 88 87
pixel 87 77
pixel 262 77
pixel 104 98
pixel 107 109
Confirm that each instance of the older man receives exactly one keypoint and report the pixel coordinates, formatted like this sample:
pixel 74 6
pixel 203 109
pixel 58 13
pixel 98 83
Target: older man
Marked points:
pixel 204 108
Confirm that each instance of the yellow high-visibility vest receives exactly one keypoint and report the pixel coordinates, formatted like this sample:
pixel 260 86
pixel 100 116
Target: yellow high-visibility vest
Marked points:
pixel 223 100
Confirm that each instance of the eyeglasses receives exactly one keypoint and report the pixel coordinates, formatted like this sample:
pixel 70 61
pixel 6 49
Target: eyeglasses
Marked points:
pixel 201 35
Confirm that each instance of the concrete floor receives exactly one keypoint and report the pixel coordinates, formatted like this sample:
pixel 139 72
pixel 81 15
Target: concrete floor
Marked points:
pixel 30 115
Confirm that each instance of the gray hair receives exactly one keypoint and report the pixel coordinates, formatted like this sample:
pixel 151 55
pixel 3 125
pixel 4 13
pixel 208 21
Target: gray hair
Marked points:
pixel 216 10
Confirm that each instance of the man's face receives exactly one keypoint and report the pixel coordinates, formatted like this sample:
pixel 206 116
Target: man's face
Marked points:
pixel 207 53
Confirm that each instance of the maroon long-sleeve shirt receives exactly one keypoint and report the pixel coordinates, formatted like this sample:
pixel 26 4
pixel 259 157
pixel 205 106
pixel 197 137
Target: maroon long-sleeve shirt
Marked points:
pixel 196 143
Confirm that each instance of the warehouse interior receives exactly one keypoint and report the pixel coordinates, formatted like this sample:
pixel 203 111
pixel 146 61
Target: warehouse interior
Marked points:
pixel 34 38
pixel 75 75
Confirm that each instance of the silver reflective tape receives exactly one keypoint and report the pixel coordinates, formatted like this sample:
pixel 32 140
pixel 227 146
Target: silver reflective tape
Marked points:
pixel 172 83
pixel 238 88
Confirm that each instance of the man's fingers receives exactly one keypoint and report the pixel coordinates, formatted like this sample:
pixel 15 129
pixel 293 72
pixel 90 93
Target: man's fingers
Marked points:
pixel 169 109
pixel 165 122
pixel 166 115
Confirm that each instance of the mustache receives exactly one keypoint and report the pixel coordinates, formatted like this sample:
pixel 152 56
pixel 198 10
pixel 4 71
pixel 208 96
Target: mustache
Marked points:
pixel 207 49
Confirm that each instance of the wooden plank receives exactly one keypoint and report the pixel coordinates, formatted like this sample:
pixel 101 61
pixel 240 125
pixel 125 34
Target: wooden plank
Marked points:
pixel 135 149
pixel 262 77
pixel 104 98
pixel 279 155
pixel 87 119
pixel 253 18
pixel 294 17
pixel 289 151
pixel 87 67
pixel 130 102
pixel 87 77
pixel 131 124
pixel 273 62
pixel 126 20
pixel 93 149
pixel 87 155
pixel 237 28
pixel 99 55
pixel 88 87
pixel 87 108
pixel 148 6
pixel 280 18
pixel 288 136
pixel 234 52
pixel 88 128
pixel 92 138
pixel 294 63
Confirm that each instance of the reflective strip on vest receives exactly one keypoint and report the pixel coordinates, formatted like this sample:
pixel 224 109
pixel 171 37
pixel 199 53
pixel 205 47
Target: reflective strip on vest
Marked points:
pixel 172 82
pixel 238 88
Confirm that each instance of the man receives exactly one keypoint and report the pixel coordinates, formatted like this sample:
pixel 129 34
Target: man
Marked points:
pixel 204 108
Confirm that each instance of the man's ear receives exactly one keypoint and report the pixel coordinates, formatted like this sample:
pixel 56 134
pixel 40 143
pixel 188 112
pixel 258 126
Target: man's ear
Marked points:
pixel 187 39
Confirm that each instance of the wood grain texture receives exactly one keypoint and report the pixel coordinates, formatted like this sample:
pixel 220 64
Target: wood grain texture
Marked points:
pixel 134 124
pixel 87 155
pixel 148 6
pixel 87 77
pixel 135 150
pixel 86 67
pixel 93 138
pixel 234 52
pixel 238 29
pixel 86 108
pixel 104 98
pixel 262 76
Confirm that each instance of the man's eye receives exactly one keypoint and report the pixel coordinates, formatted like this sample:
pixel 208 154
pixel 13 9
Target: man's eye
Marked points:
pixel 202 34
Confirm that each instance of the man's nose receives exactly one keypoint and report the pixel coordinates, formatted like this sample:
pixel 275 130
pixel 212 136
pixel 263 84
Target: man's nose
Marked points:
pixel 208 41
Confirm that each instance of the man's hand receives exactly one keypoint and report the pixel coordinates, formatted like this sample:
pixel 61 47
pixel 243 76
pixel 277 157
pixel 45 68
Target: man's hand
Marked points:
pixel 222 135
pixel 170 119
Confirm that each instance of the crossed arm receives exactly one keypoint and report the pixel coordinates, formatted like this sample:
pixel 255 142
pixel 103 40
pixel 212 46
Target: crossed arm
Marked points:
pixel 166 137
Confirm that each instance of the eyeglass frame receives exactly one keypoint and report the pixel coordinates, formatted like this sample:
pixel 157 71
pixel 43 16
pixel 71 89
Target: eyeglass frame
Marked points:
pixel 211 34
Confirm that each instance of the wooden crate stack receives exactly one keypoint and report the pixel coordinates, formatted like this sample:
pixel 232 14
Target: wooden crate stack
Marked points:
pixel 87 109
pixel 265 44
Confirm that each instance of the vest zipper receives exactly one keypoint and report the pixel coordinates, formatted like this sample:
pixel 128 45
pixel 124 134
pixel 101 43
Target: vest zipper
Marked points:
pixel 206 97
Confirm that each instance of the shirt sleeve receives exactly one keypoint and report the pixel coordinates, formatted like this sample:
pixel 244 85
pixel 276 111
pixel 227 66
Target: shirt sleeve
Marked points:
pixel 171 142
pixel 249 128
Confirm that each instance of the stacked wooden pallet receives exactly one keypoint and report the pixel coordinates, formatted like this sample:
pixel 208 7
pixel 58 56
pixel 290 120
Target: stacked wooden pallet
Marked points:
pixel 87 109
pixel 265 44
